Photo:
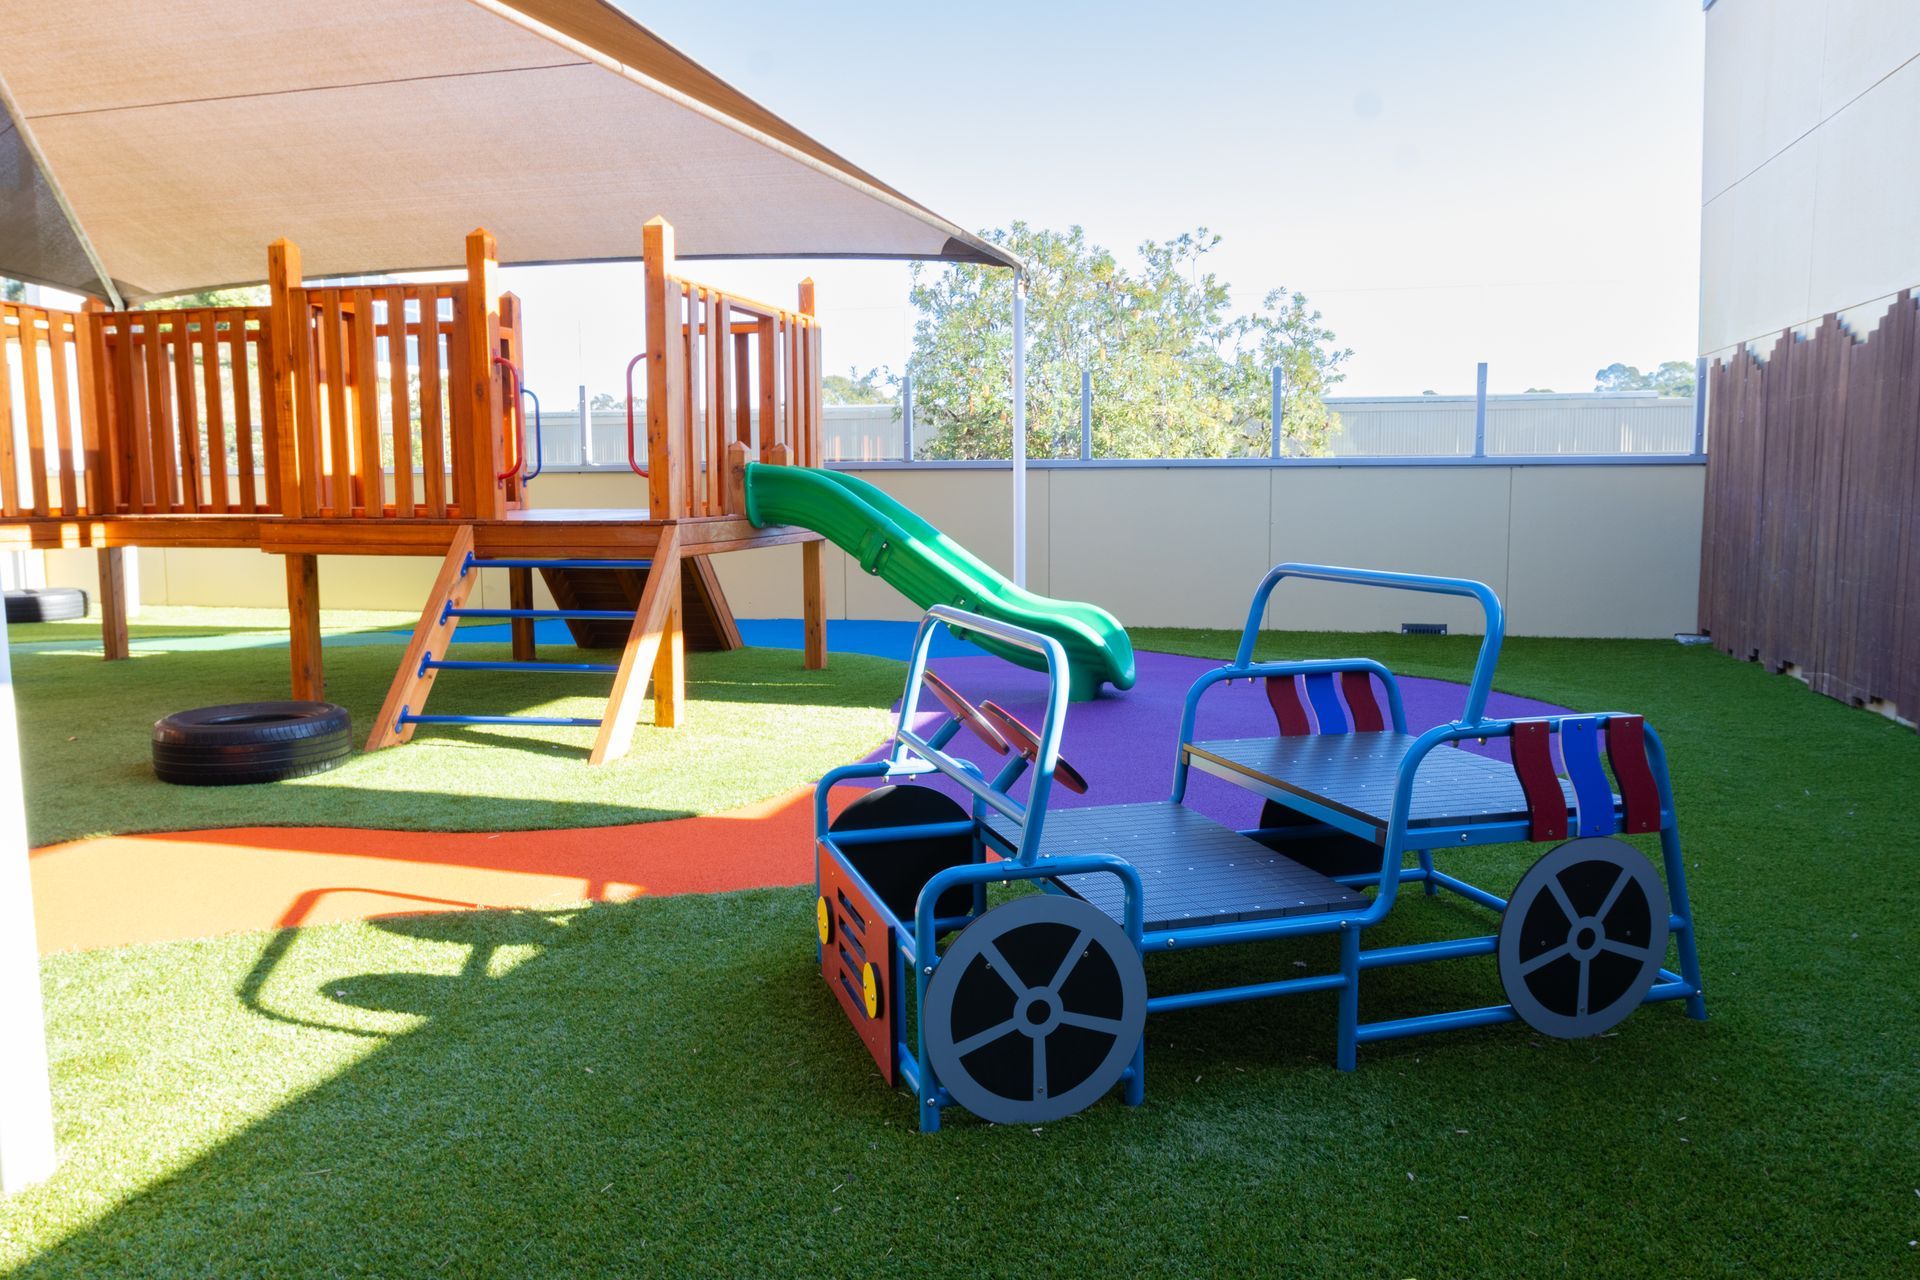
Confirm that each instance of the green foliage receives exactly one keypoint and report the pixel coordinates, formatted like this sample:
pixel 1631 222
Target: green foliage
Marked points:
pixel 11 290
pixel 252 297
pixel 854 387
pixel 1673 378
pixel 1176 373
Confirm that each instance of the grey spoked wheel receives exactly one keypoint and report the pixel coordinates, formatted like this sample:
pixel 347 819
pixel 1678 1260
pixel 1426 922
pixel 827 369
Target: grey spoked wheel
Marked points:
pixel 1035 1010
pixel 1583 937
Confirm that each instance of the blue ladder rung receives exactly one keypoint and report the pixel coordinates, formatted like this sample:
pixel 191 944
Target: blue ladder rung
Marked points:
pixel 562 722
pixel 611 615
pixel 489 563
pixel 565 668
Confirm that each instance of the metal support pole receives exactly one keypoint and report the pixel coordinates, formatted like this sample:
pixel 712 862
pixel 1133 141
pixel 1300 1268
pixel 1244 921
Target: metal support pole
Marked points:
pixel 906 418
pixel 1700 406
pixel 1020 429
pixel 26 1100
pixel 1480 412
pixel 1086 415
pixel 586 428
pixel 1277 408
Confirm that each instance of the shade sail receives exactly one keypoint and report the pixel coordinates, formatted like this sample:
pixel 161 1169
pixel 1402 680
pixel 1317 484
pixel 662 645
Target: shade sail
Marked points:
pixel 182 138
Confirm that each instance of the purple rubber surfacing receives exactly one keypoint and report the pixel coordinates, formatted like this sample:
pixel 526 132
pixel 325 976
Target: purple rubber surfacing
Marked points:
pixel 1123 743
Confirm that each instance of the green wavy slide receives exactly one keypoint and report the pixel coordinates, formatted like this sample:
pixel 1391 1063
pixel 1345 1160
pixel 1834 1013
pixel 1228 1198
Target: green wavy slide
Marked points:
pixel 890 541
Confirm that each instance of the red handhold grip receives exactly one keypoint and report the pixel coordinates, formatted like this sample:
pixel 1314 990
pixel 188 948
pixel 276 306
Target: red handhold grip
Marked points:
pixel 519 419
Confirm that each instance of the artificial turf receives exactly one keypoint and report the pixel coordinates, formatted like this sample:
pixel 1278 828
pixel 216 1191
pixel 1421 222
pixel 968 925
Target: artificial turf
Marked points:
pixel 86 726
pixel 665 1087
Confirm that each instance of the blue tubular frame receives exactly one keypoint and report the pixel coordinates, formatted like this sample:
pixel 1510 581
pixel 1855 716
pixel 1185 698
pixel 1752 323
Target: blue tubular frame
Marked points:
pixel 914 755
pixel 1397 839
pixel 538 443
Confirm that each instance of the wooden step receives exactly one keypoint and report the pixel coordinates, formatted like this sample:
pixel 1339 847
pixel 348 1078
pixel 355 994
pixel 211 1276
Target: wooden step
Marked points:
pixel 707 620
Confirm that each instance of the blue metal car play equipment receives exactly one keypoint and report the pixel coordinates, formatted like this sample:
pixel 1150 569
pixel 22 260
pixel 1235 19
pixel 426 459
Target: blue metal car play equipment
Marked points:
pixel 1034 1008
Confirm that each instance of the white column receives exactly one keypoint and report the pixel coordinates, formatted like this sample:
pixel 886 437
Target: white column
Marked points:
pixel 26 1101
pixel 1020 429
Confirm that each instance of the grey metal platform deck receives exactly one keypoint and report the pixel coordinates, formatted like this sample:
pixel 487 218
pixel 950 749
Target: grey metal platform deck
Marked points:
pixel 1194 871
pixel 1355 773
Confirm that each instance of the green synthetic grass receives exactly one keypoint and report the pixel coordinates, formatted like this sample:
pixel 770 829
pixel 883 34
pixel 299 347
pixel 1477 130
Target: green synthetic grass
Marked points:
pixel 170 621
pixel 667 1088
pixel 760 725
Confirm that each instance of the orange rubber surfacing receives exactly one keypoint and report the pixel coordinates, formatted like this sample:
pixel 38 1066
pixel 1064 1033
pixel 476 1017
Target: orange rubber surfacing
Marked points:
pixel 116 890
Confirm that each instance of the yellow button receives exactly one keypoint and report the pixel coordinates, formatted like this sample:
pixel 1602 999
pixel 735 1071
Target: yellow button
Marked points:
pixel 870 988
pixel 823 920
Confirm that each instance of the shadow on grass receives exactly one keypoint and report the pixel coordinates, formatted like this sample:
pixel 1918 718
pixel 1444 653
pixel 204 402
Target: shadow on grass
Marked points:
pixel 667 1088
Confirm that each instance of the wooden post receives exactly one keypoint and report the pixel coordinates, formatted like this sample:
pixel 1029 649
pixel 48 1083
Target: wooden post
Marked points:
pixel 666 375
pixel 287 341
pixel 670 665
pixel 520 596
pixel 113 602
pixel 806 383
pixel 96 430
pixel 813 588
pixel 738 455
pixel 653 620
pixel 486 492
pixel 303 609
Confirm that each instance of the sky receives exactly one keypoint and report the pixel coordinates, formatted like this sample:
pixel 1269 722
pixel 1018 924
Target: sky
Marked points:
pixel 1514 182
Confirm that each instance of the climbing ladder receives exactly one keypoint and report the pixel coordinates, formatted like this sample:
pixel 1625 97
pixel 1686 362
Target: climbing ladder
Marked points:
pixel 649 599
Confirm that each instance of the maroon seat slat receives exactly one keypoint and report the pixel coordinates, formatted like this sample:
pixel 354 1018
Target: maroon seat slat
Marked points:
pixel 1627 753
pixel 1362 705
pixel 1284 693
pixel 1533 765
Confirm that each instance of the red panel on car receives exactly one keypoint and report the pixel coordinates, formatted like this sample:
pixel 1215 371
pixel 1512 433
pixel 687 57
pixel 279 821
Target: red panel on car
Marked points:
pixel 858 935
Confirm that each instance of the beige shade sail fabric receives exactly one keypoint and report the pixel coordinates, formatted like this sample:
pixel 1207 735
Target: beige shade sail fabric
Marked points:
pixel 165 145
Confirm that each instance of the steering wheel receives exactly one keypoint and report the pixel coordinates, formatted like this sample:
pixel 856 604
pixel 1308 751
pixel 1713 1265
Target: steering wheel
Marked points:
pixel 1027 743
pixel 965 712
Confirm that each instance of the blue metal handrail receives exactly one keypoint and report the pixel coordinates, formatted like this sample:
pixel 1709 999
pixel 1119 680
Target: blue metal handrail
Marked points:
pixel 1496 624
pixel 539 447
pixel 909 745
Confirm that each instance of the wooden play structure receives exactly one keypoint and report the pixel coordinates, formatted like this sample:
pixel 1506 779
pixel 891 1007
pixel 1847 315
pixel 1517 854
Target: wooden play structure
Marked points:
pixel 387 419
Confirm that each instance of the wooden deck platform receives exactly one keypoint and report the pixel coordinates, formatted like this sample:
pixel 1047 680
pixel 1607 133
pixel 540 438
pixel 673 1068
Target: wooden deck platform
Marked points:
pixel 574 531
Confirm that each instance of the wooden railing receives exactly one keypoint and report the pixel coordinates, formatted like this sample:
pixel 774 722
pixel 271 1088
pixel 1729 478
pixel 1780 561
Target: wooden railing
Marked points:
pixel 383 429
pixel 382 379
pixel 180 422
pixel 362 401
pixel 42 352
pixel 713 359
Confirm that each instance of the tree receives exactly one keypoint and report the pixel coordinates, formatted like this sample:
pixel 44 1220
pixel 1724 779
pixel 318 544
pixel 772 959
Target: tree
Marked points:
pixel 854 387
pixel 1673 378
pixel 209 298
pixel 602 400
pixel 11 290
pixel 1538 391
pixel 1175 372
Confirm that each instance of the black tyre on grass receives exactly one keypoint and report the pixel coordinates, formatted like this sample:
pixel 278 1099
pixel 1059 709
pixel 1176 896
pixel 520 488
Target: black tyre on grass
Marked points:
pixel 250 742
pixel 46 604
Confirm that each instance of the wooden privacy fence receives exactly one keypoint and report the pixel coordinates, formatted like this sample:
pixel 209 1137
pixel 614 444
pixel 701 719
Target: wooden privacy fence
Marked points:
pixel 713 360
pixel 1810 552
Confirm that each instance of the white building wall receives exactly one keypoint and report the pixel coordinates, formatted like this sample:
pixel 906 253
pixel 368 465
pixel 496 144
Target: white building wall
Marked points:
pixel 1811 181
pixel 1582 550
